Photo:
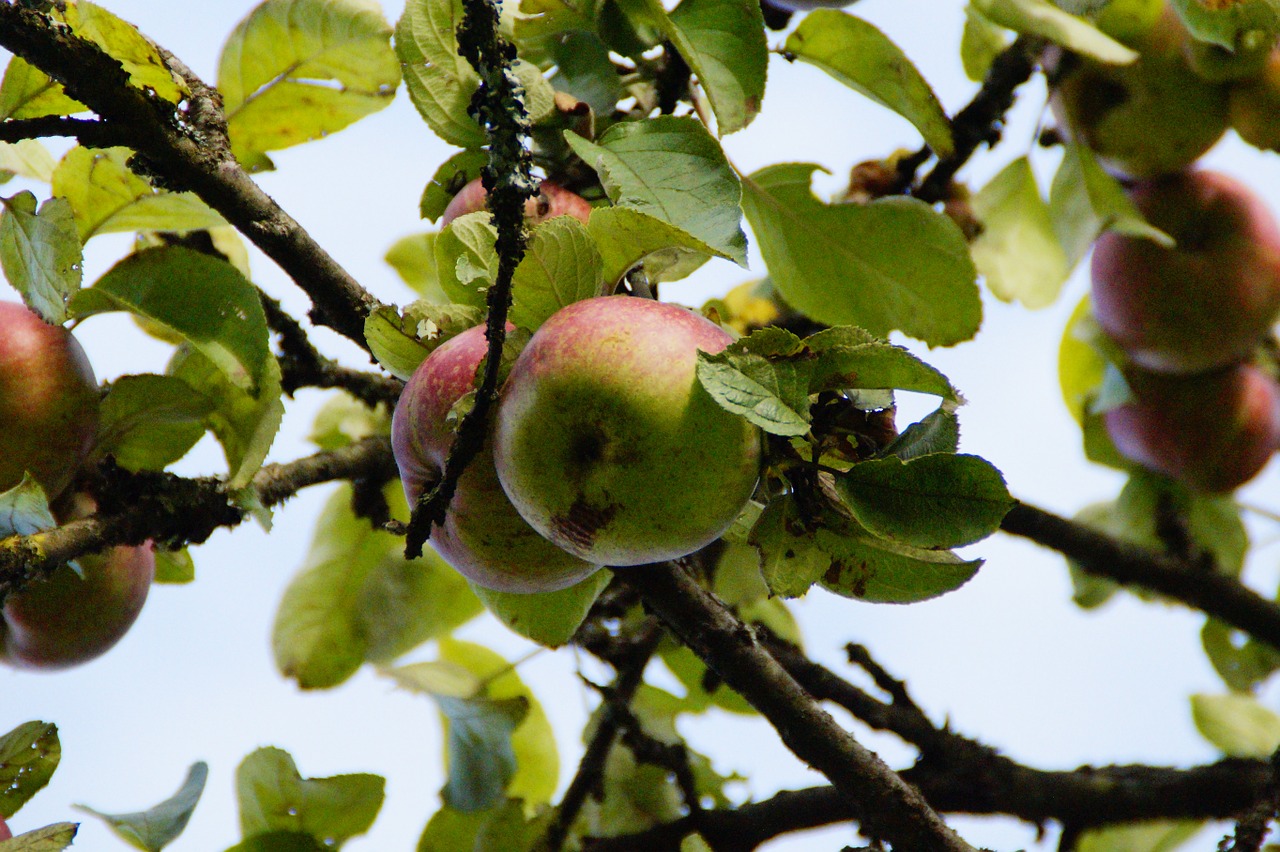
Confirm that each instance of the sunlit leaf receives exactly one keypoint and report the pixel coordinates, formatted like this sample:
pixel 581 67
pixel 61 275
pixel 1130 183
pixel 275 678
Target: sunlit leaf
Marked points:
pixel 147 422
pixel 1042 18
pixel 401 340
pixel 561 266
pixel 27 92
pixel 121 40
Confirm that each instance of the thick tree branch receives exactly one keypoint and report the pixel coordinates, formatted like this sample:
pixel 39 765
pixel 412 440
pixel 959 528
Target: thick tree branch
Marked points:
pixel 888 808
pixel 498 106
pixel 175 511
pixel 188 150
pixel 1218 595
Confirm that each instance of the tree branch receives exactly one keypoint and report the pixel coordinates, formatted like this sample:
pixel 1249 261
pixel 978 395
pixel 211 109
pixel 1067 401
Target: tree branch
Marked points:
pixel 188 150
pixel 175 511
pixel 888 808
pixel 1218 595
pixel 90 132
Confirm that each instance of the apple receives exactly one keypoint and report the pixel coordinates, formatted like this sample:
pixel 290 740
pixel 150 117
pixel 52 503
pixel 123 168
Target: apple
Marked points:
pixel 48 401
pixel 1152 117
pixel 608 445
pixel 1214 431
pixel 806 5
pixel 482 536
pixel 1204 303
pixel 551 201
pixel 1218 64
pixel 1254 106
pixel 5 833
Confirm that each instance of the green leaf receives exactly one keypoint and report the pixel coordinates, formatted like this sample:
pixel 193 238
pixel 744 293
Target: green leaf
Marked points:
pixel 1081 366
pixel 1018 252
pixel 451 830
pixel 343 420
pixel 1042 18
pixel 280 841
pixel 627 238
pixel 882 571
pixel 765 378
pixel 862 57
pixel 107 197
pixel 121 40
pixel 980 43
pixel 583 69
pixel 671 168
pixel 401 340
pixel 466 260
pixel 548 618
pixel 934 501
pixel 174 566
pixel 297 70
pixel 28 756
pixel 844 365
pixel 1237 724
pixel 356 599
pixel 1084 201
pixel 24 509
pixel 561 266
pixel 893 264
pixel 40 253
pixel 27 92
pixel 275 797
pixel 1226 24
pixel 455 173
pixel 414 260
pixel 1154 836
pixel 51 838
pixel 148 422
pixel 203 299
pixel 245 424
pixel 936 432
pixel 154 829
pixel 723 43
pixel 1239 659
pixel 28 158
pixel 790 559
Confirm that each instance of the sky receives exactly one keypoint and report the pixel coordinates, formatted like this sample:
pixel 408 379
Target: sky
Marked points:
pixel 1007 658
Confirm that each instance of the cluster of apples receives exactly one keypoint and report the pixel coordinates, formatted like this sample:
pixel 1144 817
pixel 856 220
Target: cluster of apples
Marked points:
pixel 48 419
pixel 1189 319
pixel 604 448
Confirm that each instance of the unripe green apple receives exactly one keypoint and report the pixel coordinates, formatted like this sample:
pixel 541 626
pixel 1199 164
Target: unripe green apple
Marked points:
pixel 1218 64
pixel 482 535
pixel 1214 431
pixel 1254 107
pixel 1154 116
pixel 607 443
pixel 1208 301
pixel 48 401
pixel 66 620
pixel 551 201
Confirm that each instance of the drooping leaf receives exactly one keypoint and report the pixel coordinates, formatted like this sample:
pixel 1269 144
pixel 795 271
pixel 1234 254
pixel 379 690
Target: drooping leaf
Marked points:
pixel 859 55
pixel 121 40
pixel 356 599
pixel 274 796
pixel 148 422
pixel 627 238
pixel 466 261
pixel 933 501
pixel 844 364
pixel 882 571
pixel 672 169
pixel 561 266
pixel 203 299
pixel 297 70
pixel 174 566
pixel 107 197
pixel 1237 724
pixel 27 92
pixel 154 829
pixel 28 756
pixel 723 43
pixel 40 253
pixel 244 423
pixel 584 69
pixel 1018 252
pixel 548 618
pixel 765 378
pixel 1042 18
pixel 401 340
pixel 51 838
pixel 893 264
pixel 1084 201
pixel 1242 661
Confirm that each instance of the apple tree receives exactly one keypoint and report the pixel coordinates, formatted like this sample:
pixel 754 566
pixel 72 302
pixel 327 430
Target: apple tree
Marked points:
pixel 543 436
